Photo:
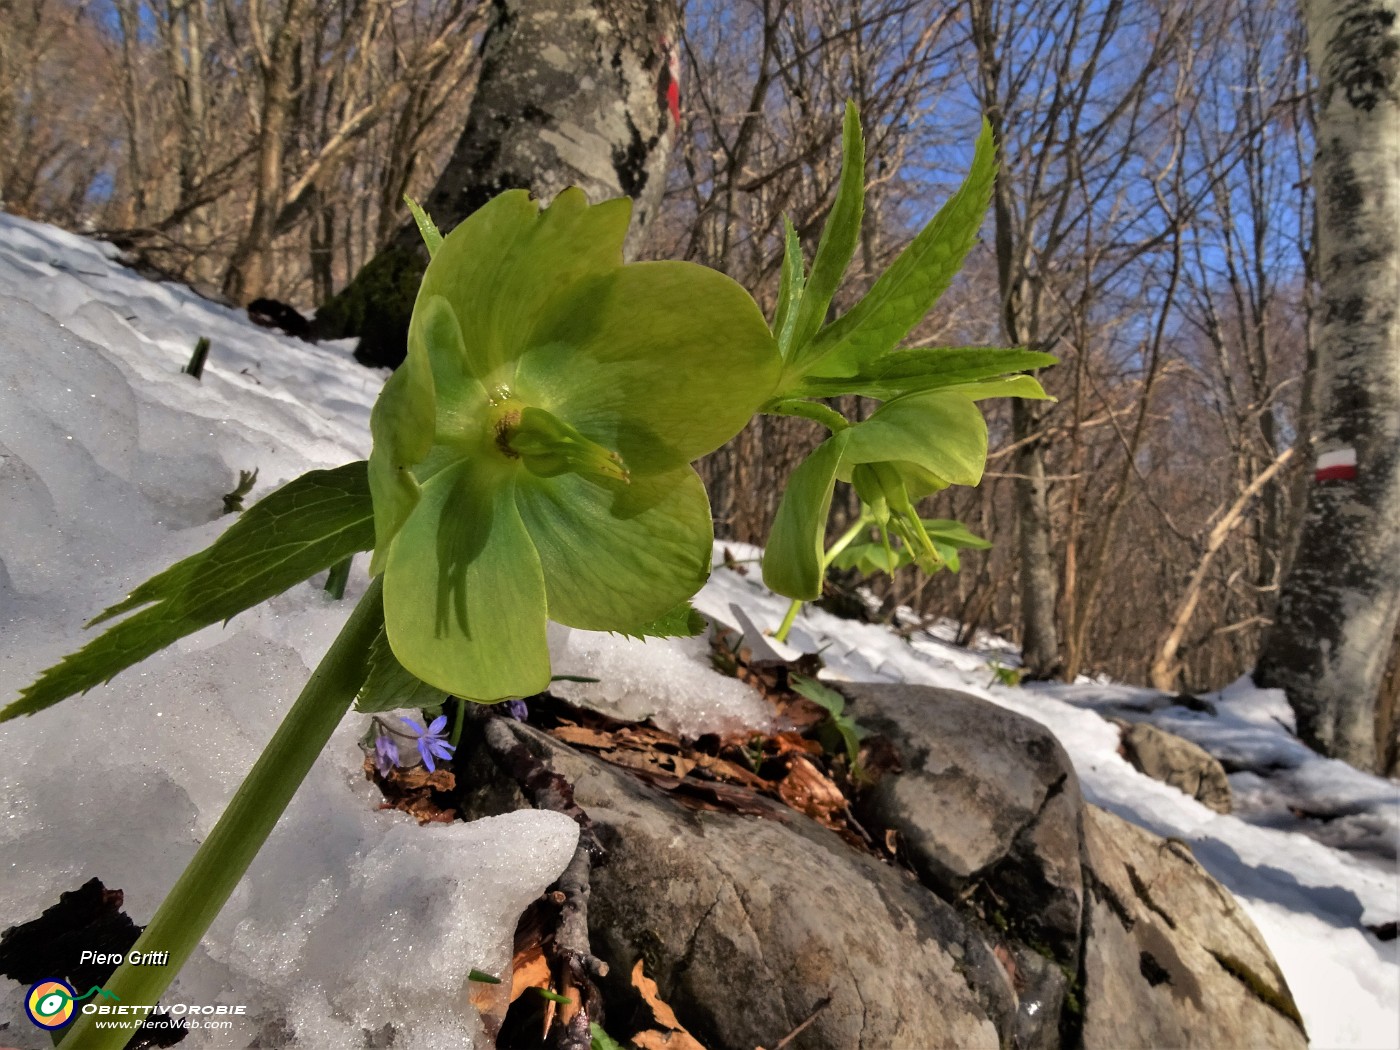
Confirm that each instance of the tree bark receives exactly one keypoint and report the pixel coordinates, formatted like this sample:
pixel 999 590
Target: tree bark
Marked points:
pixel 1341 601
pixel 569 95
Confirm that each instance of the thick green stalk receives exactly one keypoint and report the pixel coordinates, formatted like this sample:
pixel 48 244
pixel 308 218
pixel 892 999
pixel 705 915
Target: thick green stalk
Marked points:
pixel 222 859
pixel 836 548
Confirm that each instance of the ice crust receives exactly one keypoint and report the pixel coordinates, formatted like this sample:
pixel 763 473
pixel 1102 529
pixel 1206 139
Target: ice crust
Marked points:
pixel 113 465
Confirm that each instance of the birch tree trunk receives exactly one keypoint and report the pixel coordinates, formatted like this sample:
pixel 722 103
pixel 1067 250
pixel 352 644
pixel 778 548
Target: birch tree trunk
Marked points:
pixel 569 95
pixel 1341 600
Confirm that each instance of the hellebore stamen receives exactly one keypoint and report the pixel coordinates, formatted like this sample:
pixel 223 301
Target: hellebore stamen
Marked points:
pixel 551 447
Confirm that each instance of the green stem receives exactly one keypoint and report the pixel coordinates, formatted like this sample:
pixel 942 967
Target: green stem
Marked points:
pixel 457 719
pixel 783 628
pixel 219 863
pixel 836 548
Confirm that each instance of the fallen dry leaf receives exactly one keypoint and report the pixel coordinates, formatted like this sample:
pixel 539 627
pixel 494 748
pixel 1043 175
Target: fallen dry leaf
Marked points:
pixel 808 790
pixel 1008 963
pixel 530 970
pixel 411 790
pixel 582 736
pixel 676 1037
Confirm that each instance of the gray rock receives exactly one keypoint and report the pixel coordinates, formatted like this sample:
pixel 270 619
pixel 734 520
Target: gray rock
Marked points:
pixel 988 807
pixel 746 923
pixel 1170 959
pixel 1176 761
pixel 1035 920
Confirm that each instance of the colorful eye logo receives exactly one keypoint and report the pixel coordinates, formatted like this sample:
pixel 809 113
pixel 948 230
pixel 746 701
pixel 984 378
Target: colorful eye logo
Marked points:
pixel 49 1004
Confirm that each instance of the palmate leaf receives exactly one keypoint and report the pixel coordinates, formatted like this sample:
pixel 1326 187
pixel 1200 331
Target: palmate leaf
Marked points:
pixel 305 527
pixel 390 687
pixel 902 372
pixel 790 288
pixel 837 245
pixel 842 725
pixel 681 622
pixel 427 229
pixel 908 289
pixel 792 558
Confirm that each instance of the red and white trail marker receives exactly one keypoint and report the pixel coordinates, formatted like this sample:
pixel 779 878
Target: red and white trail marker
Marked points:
pixel 1337 465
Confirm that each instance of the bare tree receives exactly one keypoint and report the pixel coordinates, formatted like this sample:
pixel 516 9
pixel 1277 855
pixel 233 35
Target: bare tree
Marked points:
pixel 568 95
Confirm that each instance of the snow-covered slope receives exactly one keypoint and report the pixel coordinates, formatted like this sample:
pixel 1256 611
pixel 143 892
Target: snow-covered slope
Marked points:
pixel 113 464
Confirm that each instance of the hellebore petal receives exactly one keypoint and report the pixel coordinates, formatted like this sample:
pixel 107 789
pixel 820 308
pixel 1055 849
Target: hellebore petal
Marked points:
pixel 464 597
pixel 506 262
pixel 792 561
pixel 615 555
pixel 663 362
pixel 939 431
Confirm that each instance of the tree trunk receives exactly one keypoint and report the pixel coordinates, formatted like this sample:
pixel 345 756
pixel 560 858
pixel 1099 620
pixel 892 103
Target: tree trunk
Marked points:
pixel 1040 636
pixel 569 95
pixel 1341 601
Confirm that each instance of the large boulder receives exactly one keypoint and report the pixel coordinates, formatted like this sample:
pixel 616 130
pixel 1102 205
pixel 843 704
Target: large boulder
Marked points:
pixel 1028 920
pixel 1170 959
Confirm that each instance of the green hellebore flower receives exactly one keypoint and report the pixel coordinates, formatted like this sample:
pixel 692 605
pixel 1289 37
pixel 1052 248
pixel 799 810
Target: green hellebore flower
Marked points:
pixel 532 455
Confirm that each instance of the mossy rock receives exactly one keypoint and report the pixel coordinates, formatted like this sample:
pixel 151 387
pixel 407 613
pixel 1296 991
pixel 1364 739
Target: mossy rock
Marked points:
pixel 376 306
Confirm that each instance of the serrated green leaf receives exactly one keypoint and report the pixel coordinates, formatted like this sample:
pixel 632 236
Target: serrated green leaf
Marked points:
pixel 951 560
pixel 390 687
pixel 792 561
pixel 871 557
pixel 427 229
pixel 303 528
pixel 1027 387
pixel 600 1039
pixel 794 278
pixel 828 699
pixel 838 724
pixel 902 372
pixel 838 241
pixel 905 292
pixel 681 622
pixel 953 534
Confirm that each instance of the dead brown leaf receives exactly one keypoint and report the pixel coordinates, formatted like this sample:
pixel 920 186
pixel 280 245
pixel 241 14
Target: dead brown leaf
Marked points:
pixel 582 736
pixel 675 1037
pixel 529 970
pixel 808 790
pixel 411 791
pixel 1008 963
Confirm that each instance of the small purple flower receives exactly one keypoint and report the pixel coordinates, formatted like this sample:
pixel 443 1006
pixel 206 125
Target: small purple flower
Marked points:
pixel 386 752
pixel 432 742
pixel 518 710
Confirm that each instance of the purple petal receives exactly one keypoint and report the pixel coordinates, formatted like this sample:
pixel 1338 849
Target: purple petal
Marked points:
pixel 386 755
pixel 438 723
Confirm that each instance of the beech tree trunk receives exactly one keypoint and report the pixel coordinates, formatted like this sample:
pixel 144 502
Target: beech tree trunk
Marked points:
pixel 570 94
pixel 1340 603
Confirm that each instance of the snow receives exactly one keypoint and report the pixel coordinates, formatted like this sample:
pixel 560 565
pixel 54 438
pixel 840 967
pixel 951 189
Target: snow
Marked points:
pixel 113 465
